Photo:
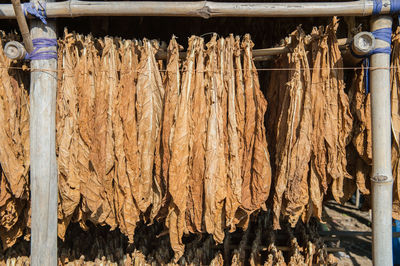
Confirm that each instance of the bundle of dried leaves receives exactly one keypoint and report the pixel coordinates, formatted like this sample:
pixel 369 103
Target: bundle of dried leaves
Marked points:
pixel 14 151
pixel 311 125
pixel 188 147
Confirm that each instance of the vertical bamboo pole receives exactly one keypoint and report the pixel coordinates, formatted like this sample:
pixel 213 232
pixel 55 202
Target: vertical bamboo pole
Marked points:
pixel 382 179
pixel 43 153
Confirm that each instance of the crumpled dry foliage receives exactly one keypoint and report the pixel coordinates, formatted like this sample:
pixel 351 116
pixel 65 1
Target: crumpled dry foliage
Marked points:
pixel 206 147
pixel 14 151
pixel 109 111
pixel 361 107
pixel 362 134
pixel 188 146
pixel 311 124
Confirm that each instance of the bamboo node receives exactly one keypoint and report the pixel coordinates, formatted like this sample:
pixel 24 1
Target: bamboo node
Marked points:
pixel 204 12
pixel 381 179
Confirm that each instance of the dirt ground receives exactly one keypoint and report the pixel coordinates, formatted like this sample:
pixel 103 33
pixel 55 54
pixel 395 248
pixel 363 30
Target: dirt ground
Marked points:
pixel 348 218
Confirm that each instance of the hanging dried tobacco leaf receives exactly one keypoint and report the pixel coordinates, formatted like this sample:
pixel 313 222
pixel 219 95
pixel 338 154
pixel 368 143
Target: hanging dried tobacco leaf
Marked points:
pixel 293 134
pixel 150 96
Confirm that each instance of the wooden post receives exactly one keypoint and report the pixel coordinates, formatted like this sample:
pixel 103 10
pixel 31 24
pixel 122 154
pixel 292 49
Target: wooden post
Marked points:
pixel 382 179
pixel 23 26
pixel 43 153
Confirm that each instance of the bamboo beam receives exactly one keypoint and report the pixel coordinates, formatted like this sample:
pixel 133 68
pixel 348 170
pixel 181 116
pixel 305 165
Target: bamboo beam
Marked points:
pixel 44 190
pixel 258 54
pixel 204 9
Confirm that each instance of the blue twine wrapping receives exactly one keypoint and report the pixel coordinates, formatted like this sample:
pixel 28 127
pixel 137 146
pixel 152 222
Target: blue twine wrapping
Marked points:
pixel 40 43
pixel 384 34
pixel 386 50
pixel 394 6
pixel 30 8
pixel 377 7
pixel 366 75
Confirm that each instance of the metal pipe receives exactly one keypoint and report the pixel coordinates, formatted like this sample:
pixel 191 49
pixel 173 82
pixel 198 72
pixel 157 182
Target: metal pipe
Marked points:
pixel 204 9
pixel 382 179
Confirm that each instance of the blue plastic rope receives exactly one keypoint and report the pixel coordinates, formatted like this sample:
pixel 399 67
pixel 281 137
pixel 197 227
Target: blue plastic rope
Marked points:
pixel 377 7
pixel 384 34
pixel 396 243
pixel 40 43
pixel 386 50
pixel 366 75
pixel 394 6
pixel 30 8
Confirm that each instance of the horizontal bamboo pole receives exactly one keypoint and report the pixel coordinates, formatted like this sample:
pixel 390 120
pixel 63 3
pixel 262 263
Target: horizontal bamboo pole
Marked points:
pixel 204 9
pixel 258 54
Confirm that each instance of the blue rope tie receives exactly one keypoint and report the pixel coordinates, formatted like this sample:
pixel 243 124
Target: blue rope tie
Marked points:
pixel 394 6
pixel 383 35
pixel 366 74
pixel 30 8
pixel 41 43
pixel 377 7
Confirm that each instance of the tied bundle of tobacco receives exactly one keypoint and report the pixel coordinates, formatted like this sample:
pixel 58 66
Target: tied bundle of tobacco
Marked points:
pixel 215 157
pixel 109 111
pixel 312 124
pixel 14 151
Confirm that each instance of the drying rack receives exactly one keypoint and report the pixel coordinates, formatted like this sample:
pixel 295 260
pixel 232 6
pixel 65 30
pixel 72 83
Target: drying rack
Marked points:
pixel 43 169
